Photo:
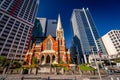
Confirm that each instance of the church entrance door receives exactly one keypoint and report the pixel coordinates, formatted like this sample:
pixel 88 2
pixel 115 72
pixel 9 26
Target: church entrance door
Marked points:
pixel 48 59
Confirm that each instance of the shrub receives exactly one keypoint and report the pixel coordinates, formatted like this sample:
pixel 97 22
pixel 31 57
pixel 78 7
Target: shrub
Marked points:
pixel 16 64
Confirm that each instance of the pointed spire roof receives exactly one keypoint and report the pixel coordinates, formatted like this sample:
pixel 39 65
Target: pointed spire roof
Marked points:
pixel 59 24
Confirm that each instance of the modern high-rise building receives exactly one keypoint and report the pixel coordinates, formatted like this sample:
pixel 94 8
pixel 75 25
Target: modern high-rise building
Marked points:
pixel 37 29
pixel 48 26
pixel 51 27
pixel 16 24
pixel 101 46
pixel 43 25
pixel 111 41
pixel 84 33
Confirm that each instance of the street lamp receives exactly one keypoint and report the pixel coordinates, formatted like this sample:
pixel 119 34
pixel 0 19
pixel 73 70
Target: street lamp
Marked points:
pixel 96 62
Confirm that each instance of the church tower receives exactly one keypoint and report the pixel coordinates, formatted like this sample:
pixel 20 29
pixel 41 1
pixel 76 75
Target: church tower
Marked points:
pixel 60 39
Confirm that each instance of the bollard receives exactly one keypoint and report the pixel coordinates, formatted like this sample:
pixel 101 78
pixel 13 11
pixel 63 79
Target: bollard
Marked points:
pixel 118 78
pixel 75 78
pixel 48 78
pixel 22 78
pixel 112 78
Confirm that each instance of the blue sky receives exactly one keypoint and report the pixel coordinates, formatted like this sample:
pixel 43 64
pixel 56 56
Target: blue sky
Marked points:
pixel 106 13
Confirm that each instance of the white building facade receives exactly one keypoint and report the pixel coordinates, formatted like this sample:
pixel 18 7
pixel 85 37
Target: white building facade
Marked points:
pixel 111 41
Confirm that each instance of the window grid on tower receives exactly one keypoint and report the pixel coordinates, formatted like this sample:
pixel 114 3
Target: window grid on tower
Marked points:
pixel 6 4
pixel 21 13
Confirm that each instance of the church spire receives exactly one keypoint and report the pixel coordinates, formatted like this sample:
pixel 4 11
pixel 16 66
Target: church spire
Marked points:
pixel 59 30
pixel 59 24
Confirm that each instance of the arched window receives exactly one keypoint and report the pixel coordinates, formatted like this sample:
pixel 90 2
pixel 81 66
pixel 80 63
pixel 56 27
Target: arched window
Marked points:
pixel 49 45
pixel 53 58
pixel 42 58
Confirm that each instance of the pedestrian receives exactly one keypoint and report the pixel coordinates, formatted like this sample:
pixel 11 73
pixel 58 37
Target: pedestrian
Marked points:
pixel 22 78
pixel 107 70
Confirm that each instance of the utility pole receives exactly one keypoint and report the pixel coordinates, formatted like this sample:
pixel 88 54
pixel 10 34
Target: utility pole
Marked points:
pixel 78 60
pixel 96 62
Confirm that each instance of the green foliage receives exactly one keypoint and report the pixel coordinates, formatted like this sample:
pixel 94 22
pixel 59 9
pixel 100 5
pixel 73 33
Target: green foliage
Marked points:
pixel 54 65
pixel 61 62
pixel 32 66
pixel 65 68
pixel 86 67
pixel 2 60
pixel 29 66
pixel 117 60
pixel 34 60
pixel 6 64
pixel 16 64
pixel 70 62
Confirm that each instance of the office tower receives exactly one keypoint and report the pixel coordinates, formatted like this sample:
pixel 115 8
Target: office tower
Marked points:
pixel 48 26
pixel 16 23
pixel 51 27
pixel 84 32
pixel 43 25
pixel 111 41
pixel 37 29
pixel 101 46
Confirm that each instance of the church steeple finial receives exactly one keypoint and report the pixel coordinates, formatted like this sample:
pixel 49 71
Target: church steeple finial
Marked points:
pixel 59 24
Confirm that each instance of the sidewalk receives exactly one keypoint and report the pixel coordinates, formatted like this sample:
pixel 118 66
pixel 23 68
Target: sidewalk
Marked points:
pixel 60 77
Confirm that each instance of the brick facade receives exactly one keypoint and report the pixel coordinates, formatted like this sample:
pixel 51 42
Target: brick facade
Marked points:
pixel 50 50
pixel 52 55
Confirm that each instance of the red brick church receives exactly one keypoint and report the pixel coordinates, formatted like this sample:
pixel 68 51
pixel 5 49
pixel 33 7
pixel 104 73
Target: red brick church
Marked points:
pixel 50 50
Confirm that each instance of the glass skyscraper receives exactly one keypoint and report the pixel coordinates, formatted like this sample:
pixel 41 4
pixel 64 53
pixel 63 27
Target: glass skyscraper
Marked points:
pixel 84 33
pixel 16 24
pixel 43 22
pixel 37 29
pixel 51 27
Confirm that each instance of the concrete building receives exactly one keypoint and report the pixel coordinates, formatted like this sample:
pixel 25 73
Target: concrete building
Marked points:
pixel 111 41
pixel 109 46
pixel 84 33
pixel 16 24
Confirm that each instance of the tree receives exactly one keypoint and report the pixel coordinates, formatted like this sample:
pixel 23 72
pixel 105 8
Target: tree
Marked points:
pixel 61 61
pixel 34 60
pixel 16 64
pixel 2 60
pixel 6 64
